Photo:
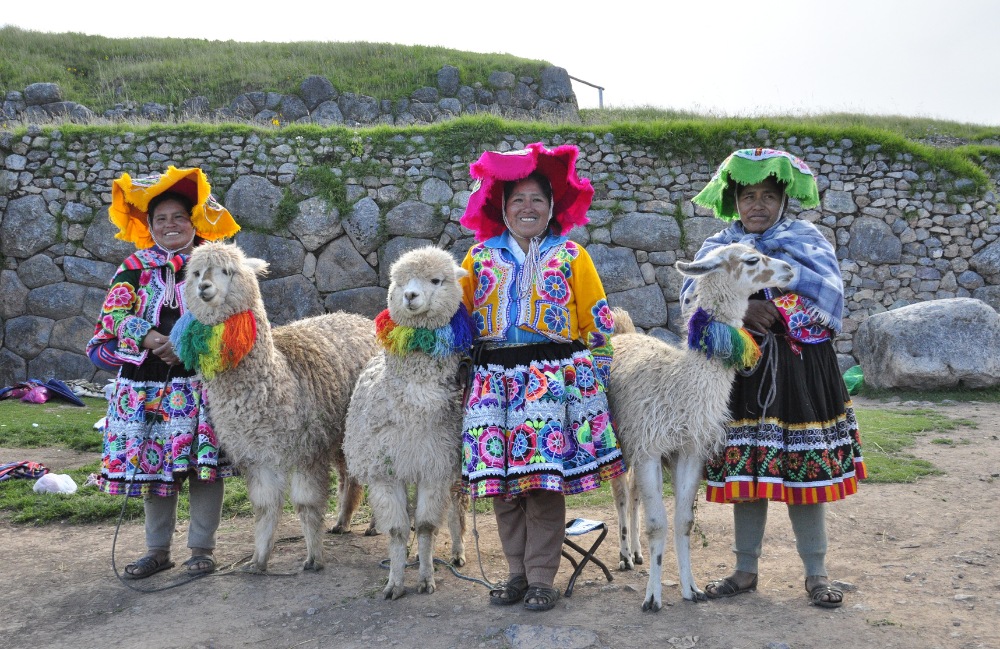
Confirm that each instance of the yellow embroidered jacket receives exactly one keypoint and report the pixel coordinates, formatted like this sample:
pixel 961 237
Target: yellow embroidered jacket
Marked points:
pixel 567 300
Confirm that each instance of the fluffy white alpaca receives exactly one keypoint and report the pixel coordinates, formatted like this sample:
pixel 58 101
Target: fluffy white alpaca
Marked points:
pixel 280 412
pixel 404 424
pixel 671 406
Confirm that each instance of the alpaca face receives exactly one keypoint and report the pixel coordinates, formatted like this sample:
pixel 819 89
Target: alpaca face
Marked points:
pixel 222 282
pixel 744 270
pixel 424 290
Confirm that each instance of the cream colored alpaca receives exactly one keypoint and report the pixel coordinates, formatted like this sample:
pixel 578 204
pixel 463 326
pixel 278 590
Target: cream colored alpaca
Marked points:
pixel 671 406
pixel 280 412
pixel 404 424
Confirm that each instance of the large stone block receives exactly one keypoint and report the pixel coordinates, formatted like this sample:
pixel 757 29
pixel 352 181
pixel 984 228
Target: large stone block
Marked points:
pixel 100 240
pixel 38 94
pixel 413 219
pixel 436 192
pixel 556 84
pixel 62 365
pixel 13 368
pixel 39 271
pixel 646 231
pixel 839 202
pixel 987 262
pixel 988 294
pixel 670 280
pixel 448 80
pixel 289 299
pixel 872 240
pixel 318 222
pixel 27 227
pixel 368 301
pixel 341 267
pixel 502 80
pixel 393 250
pixel 697 229
pixel 327 114
pixel 524 97
pixel 616 267
pixel 645 305
pixel 364 226
pixel 253 200
pixel 28 335
pixel 72 334
pixel 284 256
pixel 89 272
pixel 93 302
pixel 359 108
pixel 931 345
pixel 13 295
pixel 292 108
pixel 56 300
pixel 316 90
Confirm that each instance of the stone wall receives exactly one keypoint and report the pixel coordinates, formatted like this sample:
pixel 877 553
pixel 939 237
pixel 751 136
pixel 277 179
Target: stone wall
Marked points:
pixel 549 98
pixel 904 231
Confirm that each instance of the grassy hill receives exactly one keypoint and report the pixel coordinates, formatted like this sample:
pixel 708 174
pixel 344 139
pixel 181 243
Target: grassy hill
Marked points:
pixel 98 71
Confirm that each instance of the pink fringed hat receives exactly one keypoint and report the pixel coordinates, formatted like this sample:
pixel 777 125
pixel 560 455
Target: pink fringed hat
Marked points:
pixel 571 195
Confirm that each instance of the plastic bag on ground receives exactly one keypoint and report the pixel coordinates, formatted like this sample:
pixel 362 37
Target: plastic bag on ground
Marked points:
pixel 854 379
pixel 56 483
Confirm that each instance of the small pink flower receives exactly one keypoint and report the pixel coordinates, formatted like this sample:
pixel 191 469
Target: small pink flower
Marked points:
pixel 120 296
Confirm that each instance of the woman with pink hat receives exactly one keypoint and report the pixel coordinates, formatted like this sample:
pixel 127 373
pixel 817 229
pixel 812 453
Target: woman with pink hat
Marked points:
pixel 537 425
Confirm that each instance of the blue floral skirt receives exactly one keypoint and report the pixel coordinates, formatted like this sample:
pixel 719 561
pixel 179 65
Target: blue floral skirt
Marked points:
pixel 537 417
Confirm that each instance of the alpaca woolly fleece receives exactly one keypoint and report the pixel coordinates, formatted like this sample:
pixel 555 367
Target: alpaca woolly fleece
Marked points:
pixel 280 412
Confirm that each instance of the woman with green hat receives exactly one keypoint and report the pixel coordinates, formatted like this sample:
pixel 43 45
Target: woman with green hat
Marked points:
pixel 793 437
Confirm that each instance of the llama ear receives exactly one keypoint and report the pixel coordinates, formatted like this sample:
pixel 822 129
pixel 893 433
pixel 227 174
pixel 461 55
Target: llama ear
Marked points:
pixel 698 268
pixel 460 272
pixel 258 266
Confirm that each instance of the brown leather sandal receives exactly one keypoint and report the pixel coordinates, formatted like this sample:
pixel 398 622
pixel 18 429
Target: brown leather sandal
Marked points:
pixel 727 587
pixel 509 591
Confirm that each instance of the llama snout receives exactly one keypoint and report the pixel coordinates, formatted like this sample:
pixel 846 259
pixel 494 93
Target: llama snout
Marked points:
pixel 786 275
pixel 414 298
pixel 207 291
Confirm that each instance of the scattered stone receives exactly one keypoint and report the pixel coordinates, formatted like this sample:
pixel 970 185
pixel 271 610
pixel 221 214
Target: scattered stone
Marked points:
pixel 414 219
pixel 318 222
pixel 523 636
pixel 284 256
pixel 27 227
pixel 253 200
pixel 341 267
pixel 931 345
pixel 40 270
pixel 289 299
pixel 393 250
pixel 368 301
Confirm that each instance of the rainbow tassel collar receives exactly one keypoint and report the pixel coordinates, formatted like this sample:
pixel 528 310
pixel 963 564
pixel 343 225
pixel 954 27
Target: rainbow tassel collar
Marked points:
pixel 733 347
pixel 453 338
pixel 210 350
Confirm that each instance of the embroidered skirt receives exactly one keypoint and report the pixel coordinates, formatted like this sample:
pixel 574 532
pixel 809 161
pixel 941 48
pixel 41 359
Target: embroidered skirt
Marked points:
pixel 807 450
pixel 537 418
pixel 158 431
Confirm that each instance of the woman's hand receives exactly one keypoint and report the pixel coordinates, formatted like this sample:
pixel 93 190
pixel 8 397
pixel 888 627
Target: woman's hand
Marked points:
pixel 760 315
pixel 161 346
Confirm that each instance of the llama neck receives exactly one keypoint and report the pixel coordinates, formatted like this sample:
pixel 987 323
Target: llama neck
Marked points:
pixel 717 295
pixel 263 349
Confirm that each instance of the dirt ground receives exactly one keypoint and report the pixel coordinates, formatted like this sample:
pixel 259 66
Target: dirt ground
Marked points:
pixel 923 557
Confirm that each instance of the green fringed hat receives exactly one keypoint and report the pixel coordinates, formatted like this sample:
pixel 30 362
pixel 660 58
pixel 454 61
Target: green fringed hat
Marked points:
pixel 751 166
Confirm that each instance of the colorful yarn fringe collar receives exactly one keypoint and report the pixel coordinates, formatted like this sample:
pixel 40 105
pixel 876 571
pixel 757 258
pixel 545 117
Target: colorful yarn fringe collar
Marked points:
pixel 453 338
pixel 210 350
pixel 733 347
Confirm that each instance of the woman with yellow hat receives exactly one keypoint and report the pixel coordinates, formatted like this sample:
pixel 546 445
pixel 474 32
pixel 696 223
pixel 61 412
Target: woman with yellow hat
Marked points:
pixel 158 427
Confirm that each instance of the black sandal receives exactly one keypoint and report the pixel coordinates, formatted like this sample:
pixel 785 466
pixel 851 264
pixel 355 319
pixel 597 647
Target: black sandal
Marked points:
pixel 206 558
pixel 146 567
pixel 509 591
pixel 547 596
pixel 817 593
pixel 727 587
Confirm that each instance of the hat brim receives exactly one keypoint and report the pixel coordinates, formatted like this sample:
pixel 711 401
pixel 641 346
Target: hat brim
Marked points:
pixel 571 195
pixel 130 199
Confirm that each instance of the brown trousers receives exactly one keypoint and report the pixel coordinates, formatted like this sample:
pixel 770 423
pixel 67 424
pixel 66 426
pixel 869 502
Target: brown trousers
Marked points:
pixel 532 529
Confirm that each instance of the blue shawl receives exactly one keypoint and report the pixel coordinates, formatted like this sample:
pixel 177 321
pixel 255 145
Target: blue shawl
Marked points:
pixel 801 244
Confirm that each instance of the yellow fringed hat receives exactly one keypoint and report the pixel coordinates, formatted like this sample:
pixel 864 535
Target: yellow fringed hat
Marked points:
pixel 130 202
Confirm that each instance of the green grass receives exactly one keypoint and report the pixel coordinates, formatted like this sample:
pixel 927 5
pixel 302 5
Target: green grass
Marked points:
pixel 987 395
pixel 58 424
pixel 886 434
pixel 99 72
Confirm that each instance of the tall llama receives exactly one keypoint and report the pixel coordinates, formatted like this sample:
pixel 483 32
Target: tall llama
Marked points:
pixel 671 405
pixel 278 396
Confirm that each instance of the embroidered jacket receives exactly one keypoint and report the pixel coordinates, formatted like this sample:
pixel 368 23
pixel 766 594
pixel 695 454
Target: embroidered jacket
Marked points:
pixel 132 306
pixel 567 301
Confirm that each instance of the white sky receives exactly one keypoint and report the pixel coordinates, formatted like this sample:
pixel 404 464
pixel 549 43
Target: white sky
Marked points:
pixel 912 57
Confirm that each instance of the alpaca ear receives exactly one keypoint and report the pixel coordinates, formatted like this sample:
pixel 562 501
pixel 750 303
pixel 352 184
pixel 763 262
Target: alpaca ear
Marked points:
pixel 460 272
pixel 258 266
pixel 698 268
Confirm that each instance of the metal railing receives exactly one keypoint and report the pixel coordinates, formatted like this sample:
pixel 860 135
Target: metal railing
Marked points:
pixel 600 90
